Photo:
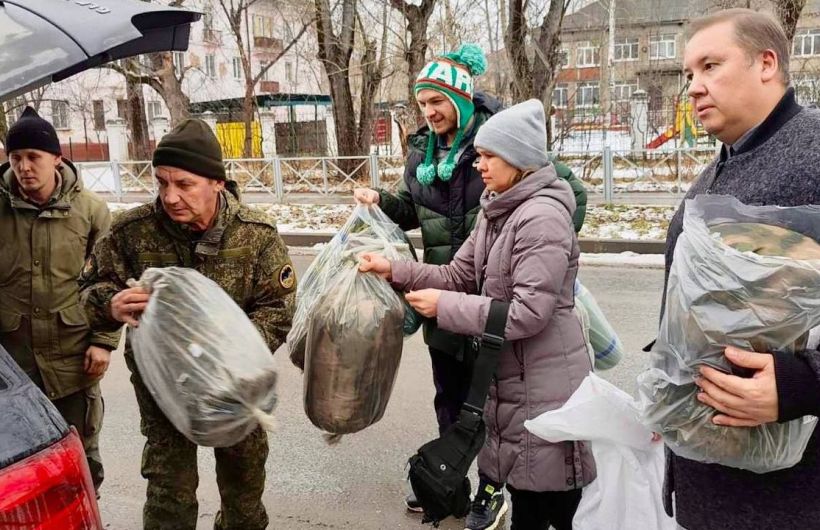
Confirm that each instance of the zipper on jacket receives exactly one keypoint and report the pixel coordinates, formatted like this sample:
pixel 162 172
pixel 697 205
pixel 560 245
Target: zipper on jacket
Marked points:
pixel 519 356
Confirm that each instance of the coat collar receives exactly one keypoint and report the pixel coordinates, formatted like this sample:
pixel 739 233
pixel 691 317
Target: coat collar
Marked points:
pixel 786 109
pixel 497 205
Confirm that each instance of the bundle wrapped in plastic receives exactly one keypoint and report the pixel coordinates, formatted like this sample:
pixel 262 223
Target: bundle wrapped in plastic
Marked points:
pixel 348 328
pixel 202 359
pixel 354 345
pixel 606 347
pixel 743 276
pixel 367 229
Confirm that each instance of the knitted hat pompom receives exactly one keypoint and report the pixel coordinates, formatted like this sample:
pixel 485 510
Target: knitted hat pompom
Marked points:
pixel 426 174
pixel 445 169
pixel 470 55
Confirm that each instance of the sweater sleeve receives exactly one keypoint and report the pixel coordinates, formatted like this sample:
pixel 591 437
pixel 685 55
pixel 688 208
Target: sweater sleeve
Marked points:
pixel 798 384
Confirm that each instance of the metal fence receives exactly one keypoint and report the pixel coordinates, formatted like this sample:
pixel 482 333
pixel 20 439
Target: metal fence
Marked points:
pixel 607 173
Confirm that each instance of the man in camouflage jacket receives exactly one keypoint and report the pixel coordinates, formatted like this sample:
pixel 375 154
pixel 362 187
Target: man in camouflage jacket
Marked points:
pixel 197 222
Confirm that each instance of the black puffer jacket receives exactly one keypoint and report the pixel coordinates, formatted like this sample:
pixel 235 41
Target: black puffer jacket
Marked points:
pixel 445 211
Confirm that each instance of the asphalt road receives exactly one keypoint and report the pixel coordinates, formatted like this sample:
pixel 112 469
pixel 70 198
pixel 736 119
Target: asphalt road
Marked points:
pixel 358 483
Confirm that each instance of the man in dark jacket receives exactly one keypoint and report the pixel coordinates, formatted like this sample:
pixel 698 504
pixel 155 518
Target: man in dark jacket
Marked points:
pixel 48 225
pixel 440 193
pixel 737 65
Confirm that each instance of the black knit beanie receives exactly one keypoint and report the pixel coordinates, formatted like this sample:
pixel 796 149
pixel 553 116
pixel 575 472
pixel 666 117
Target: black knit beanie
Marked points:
pixel 191 146
pixel 32 132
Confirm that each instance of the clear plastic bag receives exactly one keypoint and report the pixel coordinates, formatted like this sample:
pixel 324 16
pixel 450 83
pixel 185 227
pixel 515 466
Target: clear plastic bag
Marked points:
pixel 202 359
pixel 367 229
pixel 603 340
pixel 628 491
pixel 744 276
pixel 353 350
pixel 348 330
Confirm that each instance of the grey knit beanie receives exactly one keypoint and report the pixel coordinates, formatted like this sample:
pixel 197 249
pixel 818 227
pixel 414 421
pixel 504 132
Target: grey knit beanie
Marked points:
pixel 517 134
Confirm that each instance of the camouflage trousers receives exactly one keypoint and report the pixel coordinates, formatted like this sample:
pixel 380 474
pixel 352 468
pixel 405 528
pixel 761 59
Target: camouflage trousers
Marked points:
pixel 169 463
pixel 84 410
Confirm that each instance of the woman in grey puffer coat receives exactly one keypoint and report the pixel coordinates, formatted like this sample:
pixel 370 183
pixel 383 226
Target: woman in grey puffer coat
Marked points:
pixel 525 250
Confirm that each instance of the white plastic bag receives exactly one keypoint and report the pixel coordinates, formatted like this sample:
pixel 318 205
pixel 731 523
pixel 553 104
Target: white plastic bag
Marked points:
pixel 202 359
pixel 628 491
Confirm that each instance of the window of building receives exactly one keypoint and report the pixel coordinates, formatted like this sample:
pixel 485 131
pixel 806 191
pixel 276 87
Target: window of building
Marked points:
pixel 262 26
pixel 588 95
pixel 59 114
pixel 588 54
pixel 99 114
pixel 154 109
pixel 662 46
pixel 210 65
pixel 623 91
pixel 289 72
pixel 208 17
pixel 560 96
pixel 14 109
pixel 122 108
pixel 237 68
pixel 626 49
pixel 179 62
pixel 563 57
pixel 265 73
pixel 806 43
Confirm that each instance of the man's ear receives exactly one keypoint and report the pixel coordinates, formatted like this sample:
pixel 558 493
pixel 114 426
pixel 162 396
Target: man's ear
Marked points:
pixel 220 185
pixel 770 66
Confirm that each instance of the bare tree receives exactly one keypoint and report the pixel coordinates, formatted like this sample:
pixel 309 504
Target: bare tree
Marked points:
pixel 417 17
pixel 236 12
pixel 535 77
pixel 336 48
pixel 789 13
pixel 157 71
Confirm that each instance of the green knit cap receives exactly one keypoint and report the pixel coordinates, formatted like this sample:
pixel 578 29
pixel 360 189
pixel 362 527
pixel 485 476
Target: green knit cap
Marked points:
pixel 452 75
pixel 191 146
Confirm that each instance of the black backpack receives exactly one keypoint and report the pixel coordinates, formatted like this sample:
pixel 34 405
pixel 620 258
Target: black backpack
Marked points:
pixel 438 471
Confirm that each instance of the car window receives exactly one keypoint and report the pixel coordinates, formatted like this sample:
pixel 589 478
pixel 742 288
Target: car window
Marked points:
pixel 31 50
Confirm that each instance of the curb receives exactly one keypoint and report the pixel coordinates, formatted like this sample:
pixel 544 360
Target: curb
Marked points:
pixel 589 246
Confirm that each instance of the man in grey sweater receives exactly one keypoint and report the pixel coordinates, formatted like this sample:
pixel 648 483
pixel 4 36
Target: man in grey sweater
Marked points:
pixel 737 65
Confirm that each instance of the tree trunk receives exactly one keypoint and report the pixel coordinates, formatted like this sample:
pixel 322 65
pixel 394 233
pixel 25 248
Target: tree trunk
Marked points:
pixel 418 18
pixel 515 40
pixel 139 145
pixel 344 117
pixel 535 79
pixel 335 52
pixel 4 124
pixel 248 112
pixel 546 62
pixel 788 11
pixel 170 90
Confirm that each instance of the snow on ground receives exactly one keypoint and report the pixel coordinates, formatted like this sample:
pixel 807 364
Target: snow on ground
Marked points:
pixel 602 222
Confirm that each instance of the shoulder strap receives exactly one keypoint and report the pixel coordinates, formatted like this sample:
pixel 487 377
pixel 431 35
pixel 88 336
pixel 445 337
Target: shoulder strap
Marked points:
pixel 492 340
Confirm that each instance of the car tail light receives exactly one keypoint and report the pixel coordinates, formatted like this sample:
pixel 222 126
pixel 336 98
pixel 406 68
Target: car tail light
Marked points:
pixel 50 490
